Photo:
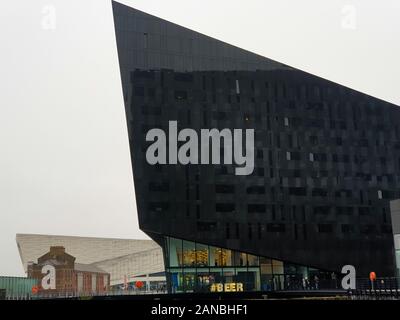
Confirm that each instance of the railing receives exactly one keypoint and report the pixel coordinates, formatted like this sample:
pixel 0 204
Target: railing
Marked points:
pixel 81 295
pixel 379 289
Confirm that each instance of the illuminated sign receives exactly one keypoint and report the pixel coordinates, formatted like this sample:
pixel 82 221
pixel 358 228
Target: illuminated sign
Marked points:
pixel 226 287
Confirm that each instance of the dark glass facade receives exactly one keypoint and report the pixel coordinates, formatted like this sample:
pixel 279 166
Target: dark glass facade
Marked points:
pixel 196 267
pixel 327 158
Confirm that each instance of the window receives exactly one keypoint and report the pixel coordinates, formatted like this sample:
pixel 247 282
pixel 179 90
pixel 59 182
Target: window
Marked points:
pixel 275 227
pixel 159 186
pixel 338 141
pixel 189 254
pixel 344 210
pixel 297 191
pixel 175 252
pixel 201 255
pixel 318 192
pixel 181 95
pixel 313 140
pixel 363 211
pixel 293 156
pixel 325 228
pixel 321 157
pixel 183 77
pixel 286 121
pixel 347 228
pixel 368 229
pixel 145 40
pixel 223 188
pixel 206 226
pixel 322 210
pixel 225 207
pixel 260 172
pixel 139 91
pixel 253 208
pixel 158 206
pixel 256 190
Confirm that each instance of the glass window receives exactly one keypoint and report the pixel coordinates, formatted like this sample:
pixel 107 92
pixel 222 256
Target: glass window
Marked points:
pixel 226 258
pixel 277 267
pixel 216 276
pixel 204 280
pixel 175 252
pixel 220 257
pixel 253 279
pixel 189 279
pixel 189 254
pixel 229 275
pixel 398 261
pixel 215 257
pixel 240 259
pixel 289 268
pixel 265 265
pixel 252 260
pixel 266 282
pixel 201 255
pixel 176 280
pixel 241 277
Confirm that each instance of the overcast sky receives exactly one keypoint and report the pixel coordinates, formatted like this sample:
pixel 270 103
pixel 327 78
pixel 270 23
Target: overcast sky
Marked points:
pixel 64 157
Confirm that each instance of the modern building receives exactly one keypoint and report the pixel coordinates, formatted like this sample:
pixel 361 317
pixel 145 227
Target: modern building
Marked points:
pixel 326 163
pixel 69 277
pixel 126 261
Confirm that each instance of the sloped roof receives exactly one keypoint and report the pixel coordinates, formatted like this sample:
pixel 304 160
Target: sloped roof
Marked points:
pixel 88 268
pixel 86 250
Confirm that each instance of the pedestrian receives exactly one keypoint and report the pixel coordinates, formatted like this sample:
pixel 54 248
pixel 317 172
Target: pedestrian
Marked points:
pixel 316 282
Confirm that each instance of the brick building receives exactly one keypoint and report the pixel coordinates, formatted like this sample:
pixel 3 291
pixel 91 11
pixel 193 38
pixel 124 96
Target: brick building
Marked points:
pixel 70 277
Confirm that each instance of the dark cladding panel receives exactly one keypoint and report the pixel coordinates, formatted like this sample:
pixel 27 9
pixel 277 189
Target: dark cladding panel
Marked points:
pixel 326 157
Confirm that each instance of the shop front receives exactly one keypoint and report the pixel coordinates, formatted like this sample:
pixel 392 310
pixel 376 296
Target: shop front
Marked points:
pixel 195 267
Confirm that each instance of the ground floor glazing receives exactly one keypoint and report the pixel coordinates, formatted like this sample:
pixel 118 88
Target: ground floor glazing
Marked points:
pixel 196 267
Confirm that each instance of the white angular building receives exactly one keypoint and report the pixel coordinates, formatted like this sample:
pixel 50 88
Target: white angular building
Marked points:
pixel 125 260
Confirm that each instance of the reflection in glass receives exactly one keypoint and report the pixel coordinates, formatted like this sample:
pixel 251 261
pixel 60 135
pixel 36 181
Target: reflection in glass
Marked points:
pixel 189 254
pixel 253 279
pixel 226 257
pixel 240 259
pixel 204 280
pixel 175 252
pixel 201 255
pixel 252 260
pixel 277 267
pixel 176 280
pixel 216 275
pixel 189 279
pixel 229 275
pixel 241 277
pixel 265 265
pixel 219 257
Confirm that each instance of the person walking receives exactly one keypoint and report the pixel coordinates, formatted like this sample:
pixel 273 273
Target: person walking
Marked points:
pixel 316 282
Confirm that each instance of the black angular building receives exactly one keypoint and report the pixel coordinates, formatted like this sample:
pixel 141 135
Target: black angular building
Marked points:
pixel 326 164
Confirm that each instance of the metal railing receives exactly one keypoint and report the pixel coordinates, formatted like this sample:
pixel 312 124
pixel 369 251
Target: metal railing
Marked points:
pixel 81 295
pixel 380 289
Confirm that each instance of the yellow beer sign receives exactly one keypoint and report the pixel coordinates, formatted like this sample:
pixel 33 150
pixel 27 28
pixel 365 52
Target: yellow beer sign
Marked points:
pixel 226 287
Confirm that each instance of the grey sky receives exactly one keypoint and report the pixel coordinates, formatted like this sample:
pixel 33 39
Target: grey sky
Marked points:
pixel 64 159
